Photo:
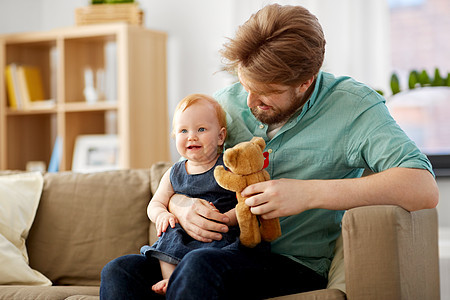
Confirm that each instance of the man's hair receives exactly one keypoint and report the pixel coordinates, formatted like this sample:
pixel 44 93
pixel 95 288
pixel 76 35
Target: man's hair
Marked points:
pixel 194 98
pixel 277 45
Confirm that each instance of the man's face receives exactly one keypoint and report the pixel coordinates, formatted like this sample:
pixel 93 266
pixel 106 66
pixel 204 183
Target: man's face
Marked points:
pixel 273 103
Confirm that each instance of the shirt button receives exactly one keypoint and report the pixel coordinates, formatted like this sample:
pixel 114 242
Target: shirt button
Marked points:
pixel 261 126
pixel 270 151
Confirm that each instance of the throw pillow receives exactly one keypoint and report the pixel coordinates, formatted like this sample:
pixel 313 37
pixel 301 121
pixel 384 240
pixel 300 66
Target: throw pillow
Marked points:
pixel 19 199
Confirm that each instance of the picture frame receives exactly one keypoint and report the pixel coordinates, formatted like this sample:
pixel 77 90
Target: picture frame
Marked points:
pixel 95 153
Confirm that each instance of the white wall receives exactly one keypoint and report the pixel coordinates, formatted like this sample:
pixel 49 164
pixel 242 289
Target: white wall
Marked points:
pixel 198 28
pixel 20 15
pixel 356 33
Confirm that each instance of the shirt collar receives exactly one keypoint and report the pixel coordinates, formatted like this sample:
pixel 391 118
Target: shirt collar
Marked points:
pixel 313 98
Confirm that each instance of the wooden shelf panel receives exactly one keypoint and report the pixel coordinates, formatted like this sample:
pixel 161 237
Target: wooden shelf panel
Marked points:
pixel 84 106
pixel 66 107
pixel 20 112
pixel 29 139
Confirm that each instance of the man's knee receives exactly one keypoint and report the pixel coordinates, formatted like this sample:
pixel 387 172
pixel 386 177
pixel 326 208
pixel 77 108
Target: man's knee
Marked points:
pixel 122 264
pixel 111 268
pixel 129 277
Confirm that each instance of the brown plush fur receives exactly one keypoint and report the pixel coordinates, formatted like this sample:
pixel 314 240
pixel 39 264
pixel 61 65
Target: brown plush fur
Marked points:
pixel 245 162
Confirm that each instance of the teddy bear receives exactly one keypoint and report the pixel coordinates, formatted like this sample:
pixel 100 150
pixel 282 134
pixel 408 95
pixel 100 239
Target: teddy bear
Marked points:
pixel 246 162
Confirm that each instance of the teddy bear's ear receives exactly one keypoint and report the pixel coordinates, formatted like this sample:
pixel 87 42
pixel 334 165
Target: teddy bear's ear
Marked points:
pixel 259 141
pixel 230 157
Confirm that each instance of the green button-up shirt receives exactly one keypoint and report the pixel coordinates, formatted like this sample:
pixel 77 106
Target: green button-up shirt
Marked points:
pixel 341 130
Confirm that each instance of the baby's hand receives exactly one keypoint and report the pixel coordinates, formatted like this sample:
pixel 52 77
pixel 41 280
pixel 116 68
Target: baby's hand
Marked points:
pixel 232 215
pixel 213 206
pixel 163 221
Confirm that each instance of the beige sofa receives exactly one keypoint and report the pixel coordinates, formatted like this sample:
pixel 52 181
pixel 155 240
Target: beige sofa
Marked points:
pixel 85 220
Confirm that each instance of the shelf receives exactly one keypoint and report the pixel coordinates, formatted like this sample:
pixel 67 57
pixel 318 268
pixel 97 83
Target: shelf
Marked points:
pixel 36 111
pixel 67 107
pixel 125 66
pixel 84 106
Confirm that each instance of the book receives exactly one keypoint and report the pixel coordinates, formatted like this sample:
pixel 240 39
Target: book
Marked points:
pixel 25 88
pixel 30 84
pixel 55 159
pixel 12 85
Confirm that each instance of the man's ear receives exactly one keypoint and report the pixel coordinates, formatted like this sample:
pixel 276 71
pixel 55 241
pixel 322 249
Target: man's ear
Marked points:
pixel 304 86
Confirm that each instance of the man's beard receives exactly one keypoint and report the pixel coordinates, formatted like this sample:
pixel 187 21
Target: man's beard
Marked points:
pixel 278 116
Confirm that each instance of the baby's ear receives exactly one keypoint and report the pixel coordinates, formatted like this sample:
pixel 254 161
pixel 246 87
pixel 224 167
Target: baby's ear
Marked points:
pixel 259 141
pixel 222 136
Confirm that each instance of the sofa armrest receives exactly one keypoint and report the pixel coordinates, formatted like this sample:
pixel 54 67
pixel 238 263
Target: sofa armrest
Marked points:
pixel 391 253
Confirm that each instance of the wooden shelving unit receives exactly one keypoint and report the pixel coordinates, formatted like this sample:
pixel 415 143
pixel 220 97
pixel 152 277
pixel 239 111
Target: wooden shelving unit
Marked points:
pixel 137 97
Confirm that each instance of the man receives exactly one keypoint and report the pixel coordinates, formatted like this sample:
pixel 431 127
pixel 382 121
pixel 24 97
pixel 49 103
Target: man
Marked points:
pixel 321 133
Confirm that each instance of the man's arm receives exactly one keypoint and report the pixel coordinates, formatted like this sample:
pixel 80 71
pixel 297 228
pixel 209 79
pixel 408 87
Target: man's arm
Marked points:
pixel 412 189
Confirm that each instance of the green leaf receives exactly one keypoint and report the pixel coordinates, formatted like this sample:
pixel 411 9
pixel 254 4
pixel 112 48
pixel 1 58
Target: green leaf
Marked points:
pixel 413 79
pixel 437 81
pixel 424 79
pixel 395 84
pixel 118 1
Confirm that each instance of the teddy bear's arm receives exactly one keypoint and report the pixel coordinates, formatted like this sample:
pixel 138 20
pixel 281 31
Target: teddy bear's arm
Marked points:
pixel 266 175
pixel 228 180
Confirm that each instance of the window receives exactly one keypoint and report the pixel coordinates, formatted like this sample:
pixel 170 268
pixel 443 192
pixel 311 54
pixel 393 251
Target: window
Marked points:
pixel 404 3
pixel 420 40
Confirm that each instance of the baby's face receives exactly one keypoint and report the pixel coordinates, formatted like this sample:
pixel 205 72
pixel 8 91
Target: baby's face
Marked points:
pixel 198 133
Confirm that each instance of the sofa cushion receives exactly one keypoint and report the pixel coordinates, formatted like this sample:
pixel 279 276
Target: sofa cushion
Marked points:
pixel 325 294
pixel 48 292
pixel 336 275
pixel 86 220
pixel 19 198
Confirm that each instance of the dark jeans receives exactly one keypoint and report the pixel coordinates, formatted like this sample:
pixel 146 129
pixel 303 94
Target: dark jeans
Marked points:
pixel 210 274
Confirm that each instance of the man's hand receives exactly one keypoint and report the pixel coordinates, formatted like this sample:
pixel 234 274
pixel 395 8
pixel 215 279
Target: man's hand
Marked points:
pixel 276 198
pixel 199 218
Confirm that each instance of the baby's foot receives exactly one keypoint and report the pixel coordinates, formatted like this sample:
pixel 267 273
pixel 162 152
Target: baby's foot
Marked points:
pixel 161 287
